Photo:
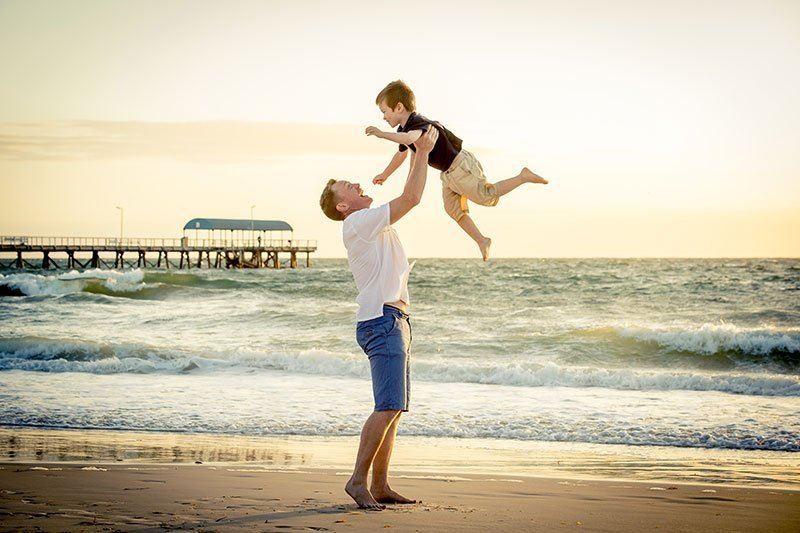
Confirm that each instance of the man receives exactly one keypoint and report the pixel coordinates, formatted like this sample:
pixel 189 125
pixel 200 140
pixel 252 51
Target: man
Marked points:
pixel 380 269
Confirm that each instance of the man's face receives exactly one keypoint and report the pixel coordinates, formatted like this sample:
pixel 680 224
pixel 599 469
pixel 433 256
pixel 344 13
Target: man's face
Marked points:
pixel 350 197
pixel 392 116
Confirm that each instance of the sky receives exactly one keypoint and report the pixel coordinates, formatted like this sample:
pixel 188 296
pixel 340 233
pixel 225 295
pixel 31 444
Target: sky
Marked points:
pixel 665 129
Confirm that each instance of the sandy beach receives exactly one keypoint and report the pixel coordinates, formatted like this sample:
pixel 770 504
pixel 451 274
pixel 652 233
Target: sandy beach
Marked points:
pixel 217 498
pixel 58 480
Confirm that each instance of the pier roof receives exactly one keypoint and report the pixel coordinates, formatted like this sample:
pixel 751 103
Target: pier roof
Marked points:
pixel 237 224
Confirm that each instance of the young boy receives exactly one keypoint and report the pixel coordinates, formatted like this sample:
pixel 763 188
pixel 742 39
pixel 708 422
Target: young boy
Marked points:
pixel 462 174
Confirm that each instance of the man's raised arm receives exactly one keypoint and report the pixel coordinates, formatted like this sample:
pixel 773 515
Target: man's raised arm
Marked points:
pixel 415 184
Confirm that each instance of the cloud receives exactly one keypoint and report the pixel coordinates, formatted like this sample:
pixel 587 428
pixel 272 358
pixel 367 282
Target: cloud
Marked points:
pixel 224 142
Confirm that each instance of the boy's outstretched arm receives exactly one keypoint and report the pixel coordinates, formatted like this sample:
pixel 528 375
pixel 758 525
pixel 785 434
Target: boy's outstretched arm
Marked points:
pixel 407 138
pixel 394 164
pixel 415 184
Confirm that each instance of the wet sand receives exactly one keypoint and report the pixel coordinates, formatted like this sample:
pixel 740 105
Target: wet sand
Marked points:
pixel 562 460
pixel 59 480
pixel 68 496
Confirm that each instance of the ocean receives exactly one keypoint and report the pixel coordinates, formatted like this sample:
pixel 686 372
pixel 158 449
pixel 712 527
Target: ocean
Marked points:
pixel 639 352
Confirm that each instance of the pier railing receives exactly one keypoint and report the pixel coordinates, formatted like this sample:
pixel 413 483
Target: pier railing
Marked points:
pixel 192 253
pixel 151 243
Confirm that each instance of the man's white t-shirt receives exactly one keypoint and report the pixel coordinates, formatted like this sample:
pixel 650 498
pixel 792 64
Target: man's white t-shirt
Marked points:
pixel 377 260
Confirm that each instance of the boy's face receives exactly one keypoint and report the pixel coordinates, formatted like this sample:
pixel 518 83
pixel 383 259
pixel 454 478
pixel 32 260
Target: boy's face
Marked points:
pixel 392 116
pixel 350 196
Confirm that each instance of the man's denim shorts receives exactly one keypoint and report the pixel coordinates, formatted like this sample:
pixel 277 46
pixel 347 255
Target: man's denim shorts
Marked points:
pixel 386 341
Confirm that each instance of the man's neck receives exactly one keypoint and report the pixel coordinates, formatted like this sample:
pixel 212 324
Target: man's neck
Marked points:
pixel 404 118
pixel 353 211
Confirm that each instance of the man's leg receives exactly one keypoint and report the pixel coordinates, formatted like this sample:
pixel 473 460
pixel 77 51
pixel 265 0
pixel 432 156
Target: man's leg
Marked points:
pixel 526 176
pixel 372 435
pixel 380 469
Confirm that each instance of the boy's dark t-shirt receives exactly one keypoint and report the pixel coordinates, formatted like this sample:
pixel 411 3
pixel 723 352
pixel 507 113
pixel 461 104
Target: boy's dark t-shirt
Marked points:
pixel 447 145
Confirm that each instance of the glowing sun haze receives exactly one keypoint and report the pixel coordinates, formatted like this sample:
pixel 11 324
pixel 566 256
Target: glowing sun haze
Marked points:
pixel 666 129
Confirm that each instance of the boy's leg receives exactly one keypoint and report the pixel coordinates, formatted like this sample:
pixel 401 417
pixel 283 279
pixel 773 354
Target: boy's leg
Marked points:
pixel 525 176
pixel 456 206
pixel 372 435
pixel 380 469
pixel 484 243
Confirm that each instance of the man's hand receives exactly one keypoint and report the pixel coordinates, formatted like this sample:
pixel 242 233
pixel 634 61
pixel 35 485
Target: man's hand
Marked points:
pixel 372 130
pixel 427 141
pixel 415 184
pixel 379 179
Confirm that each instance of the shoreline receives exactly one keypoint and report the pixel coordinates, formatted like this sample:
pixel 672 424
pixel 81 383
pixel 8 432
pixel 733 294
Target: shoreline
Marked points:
pixel 756 469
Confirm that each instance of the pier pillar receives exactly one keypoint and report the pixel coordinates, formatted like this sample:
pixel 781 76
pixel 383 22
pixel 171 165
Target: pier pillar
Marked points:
pixel 70 258
pixel 45 260
pixel 308 259
pixel 293 262
pixel 19 259
pixel 95 259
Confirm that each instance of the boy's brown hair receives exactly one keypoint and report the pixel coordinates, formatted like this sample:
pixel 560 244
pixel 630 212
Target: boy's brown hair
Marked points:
pixel 397 92
pixel 328 202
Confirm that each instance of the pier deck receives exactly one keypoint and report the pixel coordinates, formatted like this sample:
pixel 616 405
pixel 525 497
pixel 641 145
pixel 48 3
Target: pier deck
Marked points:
pixel 186 252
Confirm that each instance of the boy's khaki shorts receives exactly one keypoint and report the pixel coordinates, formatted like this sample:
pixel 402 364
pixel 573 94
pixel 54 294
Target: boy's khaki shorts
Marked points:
pixel 463 181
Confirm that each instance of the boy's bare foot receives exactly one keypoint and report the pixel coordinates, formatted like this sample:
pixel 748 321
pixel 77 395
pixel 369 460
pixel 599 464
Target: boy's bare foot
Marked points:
pixel 362 496
pixel 387 495
pixel 529 176
pixel 487 243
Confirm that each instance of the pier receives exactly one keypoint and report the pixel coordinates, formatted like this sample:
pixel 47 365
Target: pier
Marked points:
pixel 226 243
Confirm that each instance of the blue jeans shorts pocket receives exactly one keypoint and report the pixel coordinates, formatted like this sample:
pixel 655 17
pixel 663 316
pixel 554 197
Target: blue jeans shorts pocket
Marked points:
pixel 370 331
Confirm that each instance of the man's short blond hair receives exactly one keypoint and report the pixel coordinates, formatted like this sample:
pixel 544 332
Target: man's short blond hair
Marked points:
pixel 397 92
pixel 328 202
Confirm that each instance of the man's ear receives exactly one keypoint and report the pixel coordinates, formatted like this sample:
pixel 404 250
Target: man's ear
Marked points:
pixel 342 207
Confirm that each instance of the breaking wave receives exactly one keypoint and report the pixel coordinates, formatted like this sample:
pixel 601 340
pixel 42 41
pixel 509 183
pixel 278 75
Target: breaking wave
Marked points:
pixel 709 339
pixel 138 284
pixel 52 355
pixel 98 281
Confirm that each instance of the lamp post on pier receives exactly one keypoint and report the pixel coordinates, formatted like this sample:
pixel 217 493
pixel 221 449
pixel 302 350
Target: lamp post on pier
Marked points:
pixel 251 223
pixel 121 216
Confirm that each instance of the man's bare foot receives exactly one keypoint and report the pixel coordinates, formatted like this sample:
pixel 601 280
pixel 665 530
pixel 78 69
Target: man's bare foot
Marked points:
pixel 387 495
pixel 362 496
pixel 487 243
pixel 530 177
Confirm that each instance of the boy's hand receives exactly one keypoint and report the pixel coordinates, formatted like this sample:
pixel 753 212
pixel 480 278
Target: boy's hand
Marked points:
pixel 379 179
pixel 372 130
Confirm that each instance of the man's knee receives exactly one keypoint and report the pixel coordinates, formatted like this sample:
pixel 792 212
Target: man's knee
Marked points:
pixel 388 415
